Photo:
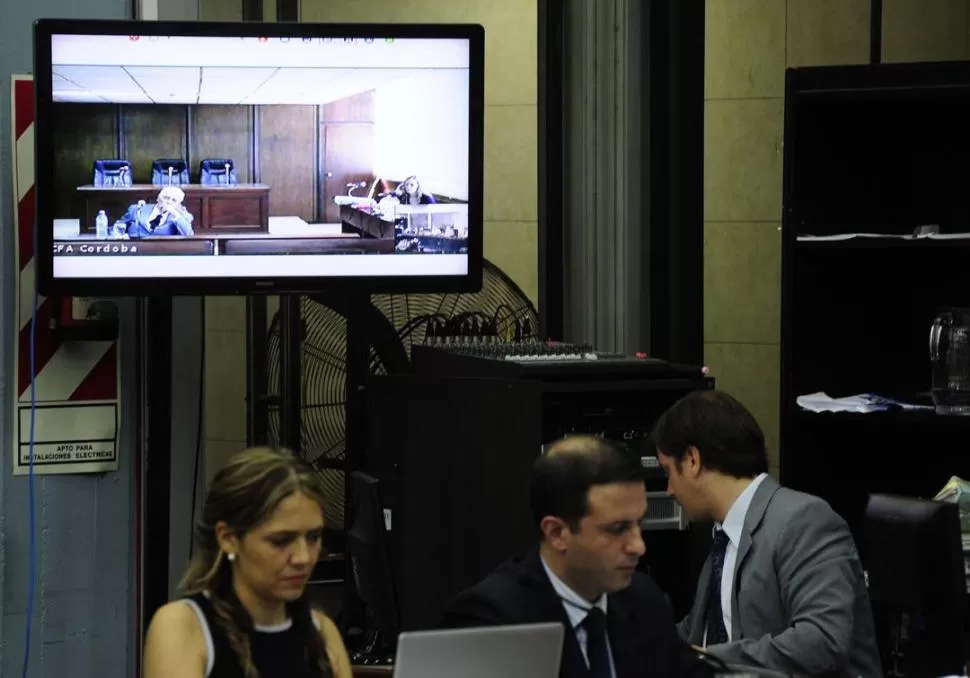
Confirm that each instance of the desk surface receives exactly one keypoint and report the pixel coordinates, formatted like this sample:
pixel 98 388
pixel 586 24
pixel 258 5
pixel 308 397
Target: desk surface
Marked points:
pixel 289 235
pixel 184 187
pixel 279 227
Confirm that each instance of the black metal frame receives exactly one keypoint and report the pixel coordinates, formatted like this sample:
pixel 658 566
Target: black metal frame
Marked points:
pixel 291 383
pixel 257 377
pixel 675 147
pixel 550 165
pixel 787 260
pixel 470 281
pixel 156 332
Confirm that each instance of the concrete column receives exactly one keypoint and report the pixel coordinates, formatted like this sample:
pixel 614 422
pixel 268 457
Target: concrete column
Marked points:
pixel 604 213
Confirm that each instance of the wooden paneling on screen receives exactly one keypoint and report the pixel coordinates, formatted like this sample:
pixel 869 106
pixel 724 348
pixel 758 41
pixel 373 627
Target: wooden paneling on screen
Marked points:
pixel 152 132
pixel 222 132
pixel 85 133
pixel 358 108
pixel 288 159
pixel 346 149
pixel 285 139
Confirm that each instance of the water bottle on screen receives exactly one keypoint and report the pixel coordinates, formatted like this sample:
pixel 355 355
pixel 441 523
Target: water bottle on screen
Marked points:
pixel 101 226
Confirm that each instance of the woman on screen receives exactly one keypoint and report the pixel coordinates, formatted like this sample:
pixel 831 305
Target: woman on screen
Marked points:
pixel 245 611
pixel 409 193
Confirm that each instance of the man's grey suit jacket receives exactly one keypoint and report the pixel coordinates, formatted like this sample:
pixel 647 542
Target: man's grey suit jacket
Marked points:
pixel 799 602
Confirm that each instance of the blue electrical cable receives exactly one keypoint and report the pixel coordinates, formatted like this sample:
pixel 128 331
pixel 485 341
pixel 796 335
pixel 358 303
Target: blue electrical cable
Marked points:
pixel 32 542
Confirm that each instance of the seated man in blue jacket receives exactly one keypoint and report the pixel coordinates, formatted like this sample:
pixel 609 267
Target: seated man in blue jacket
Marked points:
pixel 166 217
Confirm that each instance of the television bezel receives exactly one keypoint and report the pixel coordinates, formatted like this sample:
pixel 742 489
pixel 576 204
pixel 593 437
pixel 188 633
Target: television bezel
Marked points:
pixel 48 285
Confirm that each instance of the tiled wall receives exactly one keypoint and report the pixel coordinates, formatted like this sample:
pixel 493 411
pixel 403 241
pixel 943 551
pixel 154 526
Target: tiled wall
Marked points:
pixel 749 45
pixel 221 10
pixel 510 174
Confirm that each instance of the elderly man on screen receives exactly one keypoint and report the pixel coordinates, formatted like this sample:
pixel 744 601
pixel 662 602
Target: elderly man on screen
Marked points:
pixel 165 217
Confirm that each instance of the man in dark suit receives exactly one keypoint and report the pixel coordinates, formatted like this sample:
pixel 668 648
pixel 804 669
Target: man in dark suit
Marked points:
pixel 783 587
pixel 588 499
pixel 166 217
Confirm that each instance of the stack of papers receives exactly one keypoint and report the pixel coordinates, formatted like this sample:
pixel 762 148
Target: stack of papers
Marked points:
pixel 858 404
pixel 907 236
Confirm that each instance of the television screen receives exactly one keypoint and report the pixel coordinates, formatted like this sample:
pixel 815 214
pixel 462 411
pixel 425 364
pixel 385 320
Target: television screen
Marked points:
pixel 205 158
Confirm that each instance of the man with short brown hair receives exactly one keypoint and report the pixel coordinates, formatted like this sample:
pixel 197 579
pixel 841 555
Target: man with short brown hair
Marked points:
pixel 783 588
pixel 588 499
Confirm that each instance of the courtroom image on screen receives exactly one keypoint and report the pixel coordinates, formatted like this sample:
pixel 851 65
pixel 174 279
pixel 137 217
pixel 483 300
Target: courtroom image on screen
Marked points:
pixel 259 157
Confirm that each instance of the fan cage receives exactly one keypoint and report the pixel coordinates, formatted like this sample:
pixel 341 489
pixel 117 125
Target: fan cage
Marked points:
pixel 323 357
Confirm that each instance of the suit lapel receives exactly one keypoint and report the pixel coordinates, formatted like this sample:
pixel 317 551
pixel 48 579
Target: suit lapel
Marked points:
pixel 145 217
pixel 752 521
pixel 619 621
pixel 698 616
pixel 573 662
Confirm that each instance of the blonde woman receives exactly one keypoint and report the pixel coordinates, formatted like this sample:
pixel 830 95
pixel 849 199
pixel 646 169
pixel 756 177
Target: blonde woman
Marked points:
pixel 245 611
pixel 409 193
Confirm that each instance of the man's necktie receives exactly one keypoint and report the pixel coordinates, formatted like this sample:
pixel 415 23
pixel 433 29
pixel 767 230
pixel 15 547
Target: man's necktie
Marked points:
pixel 716 632
pixel 597 651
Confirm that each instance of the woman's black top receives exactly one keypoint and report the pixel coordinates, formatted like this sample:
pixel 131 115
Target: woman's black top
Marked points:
pixel 279 651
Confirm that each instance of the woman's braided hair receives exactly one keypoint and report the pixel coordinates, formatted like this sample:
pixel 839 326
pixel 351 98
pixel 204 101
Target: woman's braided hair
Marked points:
pixel 243 494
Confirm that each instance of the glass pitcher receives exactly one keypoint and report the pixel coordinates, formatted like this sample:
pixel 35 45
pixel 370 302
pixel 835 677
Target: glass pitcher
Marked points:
pixel 950 361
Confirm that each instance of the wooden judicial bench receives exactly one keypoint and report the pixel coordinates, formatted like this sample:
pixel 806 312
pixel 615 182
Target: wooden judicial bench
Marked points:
pixel 376 234
pixel 215 207
pixel 366 224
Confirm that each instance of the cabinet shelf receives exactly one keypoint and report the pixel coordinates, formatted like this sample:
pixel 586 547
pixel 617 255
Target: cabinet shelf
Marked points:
pixel 887 418
pixel 881 242
pixel 871 150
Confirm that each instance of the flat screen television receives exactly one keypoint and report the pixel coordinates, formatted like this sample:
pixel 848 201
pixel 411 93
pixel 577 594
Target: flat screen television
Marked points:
pixel 222 158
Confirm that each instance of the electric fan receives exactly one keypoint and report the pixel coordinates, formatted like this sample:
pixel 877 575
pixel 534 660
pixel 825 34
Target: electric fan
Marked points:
pixel 393 323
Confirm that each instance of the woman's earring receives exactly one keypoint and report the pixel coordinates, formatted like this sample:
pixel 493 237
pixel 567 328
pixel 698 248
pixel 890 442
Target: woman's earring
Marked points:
pixel 231 557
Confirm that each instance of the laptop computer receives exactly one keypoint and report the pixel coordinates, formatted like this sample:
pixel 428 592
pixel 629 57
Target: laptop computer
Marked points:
pixel 523 651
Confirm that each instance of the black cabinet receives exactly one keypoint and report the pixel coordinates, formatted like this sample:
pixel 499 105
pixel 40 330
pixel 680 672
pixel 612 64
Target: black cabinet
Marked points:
pixel 878 150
